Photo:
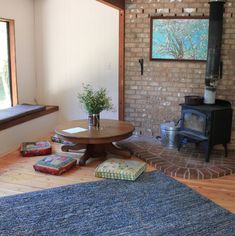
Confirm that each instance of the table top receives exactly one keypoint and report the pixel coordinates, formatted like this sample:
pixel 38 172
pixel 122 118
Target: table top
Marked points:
pixel 109 131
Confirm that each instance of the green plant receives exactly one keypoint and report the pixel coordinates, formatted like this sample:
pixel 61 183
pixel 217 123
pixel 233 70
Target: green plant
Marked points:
pixel 95 101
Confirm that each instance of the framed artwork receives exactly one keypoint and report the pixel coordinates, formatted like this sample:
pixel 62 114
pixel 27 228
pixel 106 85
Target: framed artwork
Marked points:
pixel 179 38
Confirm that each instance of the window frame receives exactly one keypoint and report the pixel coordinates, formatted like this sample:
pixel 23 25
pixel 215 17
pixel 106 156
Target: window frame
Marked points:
pixel 12 60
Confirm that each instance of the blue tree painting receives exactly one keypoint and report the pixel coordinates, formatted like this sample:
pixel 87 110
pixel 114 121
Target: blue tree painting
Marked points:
pixel 179 39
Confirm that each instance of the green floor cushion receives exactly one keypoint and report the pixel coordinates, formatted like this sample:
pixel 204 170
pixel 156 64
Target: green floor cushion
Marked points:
pixel 114 168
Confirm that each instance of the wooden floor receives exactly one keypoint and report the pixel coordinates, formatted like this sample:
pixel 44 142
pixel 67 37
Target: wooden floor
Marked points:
pixel 17 176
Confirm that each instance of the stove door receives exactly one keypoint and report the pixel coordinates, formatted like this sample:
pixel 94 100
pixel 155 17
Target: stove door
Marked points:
pixel 194 121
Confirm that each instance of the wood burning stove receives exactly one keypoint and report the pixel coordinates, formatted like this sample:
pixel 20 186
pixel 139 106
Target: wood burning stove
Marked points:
pixel 207 125
pixel 210 123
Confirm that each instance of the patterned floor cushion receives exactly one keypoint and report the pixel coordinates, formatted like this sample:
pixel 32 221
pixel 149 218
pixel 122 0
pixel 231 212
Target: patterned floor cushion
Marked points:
pixel 120 169
pixel 29 149
pixel 55 164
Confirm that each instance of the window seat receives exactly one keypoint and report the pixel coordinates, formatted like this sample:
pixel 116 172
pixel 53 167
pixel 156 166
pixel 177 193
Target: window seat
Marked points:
pixel 21 113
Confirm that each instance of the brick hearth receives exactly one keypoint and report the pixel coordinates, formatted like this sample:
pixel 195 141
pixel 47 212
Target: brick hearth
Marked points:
pixel 189 163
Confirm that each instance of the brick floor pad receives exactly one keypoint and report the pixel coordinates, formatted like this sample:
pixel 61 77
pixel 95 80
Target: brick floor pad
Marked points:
pixel 189 163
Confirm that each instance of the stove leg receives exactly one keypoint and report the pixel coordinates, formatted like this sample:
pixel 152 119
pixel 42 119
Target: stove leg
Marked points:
pixel 208 151
pixel 179 145
pixel 225 149
pixel 197 144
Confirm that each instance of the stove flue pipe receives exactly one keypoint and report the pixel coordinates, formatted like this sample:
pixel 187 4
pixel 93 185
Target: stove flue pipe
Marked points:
pixel 213 66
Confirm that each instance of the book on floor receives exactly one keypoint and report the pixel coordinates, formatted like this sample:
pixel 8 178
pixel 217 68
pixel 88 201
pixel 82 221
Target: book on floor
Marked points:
pixel 114 168
pixel 40 148
pixel 55 164
pixel 56 139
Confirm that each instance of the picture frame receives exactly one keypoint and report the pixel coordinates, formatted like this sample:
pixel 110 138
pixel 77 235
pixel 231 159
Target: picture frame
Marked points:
pixel 179 38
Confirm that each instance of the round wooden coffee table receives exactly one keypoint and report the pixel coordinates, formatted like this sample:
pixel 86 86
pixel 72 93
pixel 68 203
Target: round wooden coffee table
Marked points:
pixel 96 142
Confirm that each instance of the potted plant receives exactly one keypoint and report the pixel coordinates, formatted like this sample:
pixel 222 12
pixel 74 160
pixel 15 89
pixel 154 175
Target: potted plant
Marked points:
pixel 94 102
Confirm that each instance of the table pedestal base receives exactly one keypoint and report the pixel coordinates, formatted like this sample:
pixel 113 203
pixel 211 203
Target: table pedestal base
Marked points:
pixel 97 150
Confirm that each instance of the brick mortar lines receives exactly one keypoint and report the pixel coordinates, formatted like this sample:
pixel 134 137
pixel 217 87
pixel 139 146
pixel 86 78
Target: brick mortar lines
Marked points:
pixel 153 98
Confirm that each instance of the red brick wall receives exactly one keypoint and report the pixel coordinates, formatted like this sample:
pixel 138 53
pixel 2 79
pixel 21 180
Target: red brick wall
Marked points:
pixel 153 98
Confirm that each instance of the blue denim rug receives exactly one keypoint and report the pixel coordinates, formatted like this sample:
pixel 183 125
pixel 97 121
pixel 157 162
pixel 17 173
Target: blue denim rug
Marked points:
pixel 152 205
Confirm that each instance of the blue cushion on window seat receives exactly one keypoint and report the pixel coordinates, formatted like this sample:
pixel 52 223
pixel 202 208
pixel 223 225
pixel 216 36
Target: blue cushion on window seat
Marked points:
pixel 18 111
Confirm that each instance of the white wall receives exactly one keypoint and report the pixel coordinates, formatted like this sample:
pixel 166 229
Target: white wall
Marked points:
pixel 59 45
pixel 76 42
pixel 22 11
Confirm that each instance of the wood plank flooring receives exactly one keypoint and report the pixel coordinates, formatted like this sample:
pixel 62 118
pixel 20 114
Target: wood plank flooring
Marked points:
pixel 17 176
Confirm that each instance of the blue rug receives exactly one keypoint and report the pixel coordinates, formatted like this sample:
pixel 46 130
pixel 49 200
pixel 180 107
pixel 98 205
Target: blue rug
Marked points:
pixel 153 205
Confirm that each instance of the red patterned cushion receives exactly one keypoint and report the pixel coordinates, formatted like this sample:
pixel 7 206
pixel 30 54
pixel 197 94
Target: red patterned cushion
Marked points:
pixel 55 164
pixel 41 148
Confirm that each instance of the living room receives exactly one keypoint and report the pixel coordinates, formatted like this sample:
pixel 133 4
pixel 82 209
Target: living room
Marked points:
pixel 62 45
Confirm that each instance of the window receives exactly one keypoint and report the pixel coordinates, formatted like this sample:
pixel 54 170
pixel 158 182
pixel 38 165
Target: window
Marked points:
pixel 8 92
pixel 5 87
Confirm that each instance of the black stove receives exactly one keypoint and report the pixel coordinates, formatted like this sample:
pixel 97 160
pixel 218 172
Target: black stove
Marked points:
pixel 206 125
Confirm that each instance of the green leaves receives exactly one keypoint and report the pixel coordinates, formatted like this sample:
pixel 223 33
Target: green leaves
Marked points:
pixel 95 101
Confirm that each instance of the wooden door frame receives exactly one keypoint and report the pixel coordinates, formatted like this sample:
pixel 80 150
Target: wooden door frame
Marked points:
pixel 120 6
